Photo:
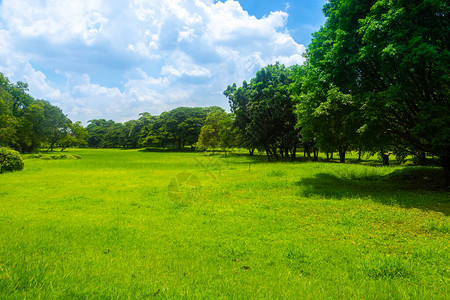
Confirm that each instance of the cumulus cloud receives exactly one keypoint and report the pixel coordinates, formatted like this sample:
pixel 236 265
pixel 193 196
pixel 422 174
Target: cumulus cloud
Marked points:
pixel 109 59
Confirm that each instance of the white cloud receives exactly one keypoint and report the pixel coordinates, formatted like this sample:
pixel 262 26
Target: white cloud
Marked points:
pixel 58 21
pixel 108 59
pixel 181 64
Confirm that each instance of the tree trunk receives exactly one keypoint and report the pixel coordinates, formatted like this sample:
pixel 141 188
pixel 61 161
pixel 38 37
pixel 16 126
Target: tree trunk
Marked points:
pixel 446 165
pixel 385 159
pixel 308 153
pixel 274 153
pixel 422 159
pixel 316 154
pixel 268 153
pixel 331 155
pixel 342 150
pixel 359 154
pixel 294 153
pixel 328 156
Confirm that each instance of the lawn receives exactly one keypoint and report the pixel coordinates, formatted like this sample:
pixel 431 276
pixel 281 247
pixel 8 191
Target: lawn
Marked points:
pixel 136 224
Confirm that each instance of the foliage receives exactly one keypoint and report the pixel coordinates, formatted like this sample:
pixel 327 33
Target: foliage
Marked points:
pixel 55 125
pixel 405 43
pixel 10 160
pixel 217 131
pixel 97 130
pixel 263 112
pixel 391 57
pixel 178 128
pixel 76 136
pixel 27 124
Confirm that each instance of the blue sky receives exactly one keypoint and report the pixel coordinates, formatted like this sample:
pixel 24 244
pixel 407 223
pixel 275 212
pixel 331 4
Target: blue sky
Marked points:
pixel 116 59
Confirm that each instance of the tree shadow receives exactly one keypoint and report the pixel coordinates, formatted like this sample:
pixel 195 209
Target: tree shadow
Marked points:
pixel 422 188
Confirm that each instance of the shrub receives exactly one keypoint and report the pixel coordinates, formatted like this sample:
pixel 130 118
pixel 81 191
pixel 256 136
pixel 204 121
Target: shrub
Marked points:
pixel 60 156
pixel 10 160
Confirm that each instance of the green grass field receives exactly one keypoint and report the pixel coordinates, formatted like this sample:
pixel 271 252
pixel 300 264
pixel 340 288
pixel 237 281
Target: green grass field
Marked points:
pixel 135 224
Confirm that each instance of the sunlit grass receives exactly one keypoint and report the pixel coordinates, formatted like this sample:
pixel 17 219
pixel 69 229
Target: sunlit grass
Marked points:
pixel 105 226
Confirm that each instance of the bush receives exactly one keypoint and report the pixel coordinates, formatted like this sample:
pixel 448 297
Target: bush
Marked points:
pixel 32 156
pixel 60 156
pixel 10 160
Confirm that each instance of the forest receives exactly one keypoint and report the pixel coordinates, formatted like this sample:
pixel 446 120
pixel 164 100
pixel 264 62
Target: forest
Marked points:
pixel 375 81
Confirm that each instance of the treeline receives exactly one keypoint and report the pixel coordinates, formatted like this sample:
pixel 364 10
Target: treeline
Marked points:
pixel 376 80
pixel 177 128
pixel 27 123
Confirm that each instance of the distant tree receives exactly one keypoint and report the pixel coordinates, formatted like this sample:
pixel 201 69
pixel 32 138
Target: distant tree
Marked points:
pixel 76 136
pixel 184 124
pixel 153 132
pixel 131 130
pixel 55 125
pixel 178 128
pixel 229 135
pixel 215 133
pixel 114 136
pixel 97 131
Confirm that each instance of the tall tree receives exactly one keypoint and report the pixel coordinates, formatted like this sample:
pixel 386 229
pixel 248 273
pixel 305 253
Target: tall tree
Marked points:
pixel 404 65
pixel 263 111
pixel 392 58
pixel 55 125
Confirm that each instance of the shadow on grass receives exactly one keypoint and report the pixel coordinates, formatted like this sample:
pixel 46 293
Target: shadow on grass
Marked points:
pixel 422 188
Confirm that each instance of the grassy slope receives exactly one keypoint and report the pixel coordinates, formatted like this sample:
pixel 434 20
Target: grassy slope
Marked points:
pixel 104 227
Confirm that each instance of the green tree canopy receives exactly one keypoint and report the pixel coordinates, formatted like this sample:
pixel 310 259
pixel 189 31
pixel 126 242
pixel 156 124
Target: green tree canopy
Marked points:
pixel 391 58
pixel 263 111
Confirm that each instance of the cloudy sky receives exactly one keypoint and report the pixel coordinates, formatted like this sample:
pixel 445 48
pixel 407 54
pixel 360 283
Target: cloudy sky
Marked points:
pixel 116 59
